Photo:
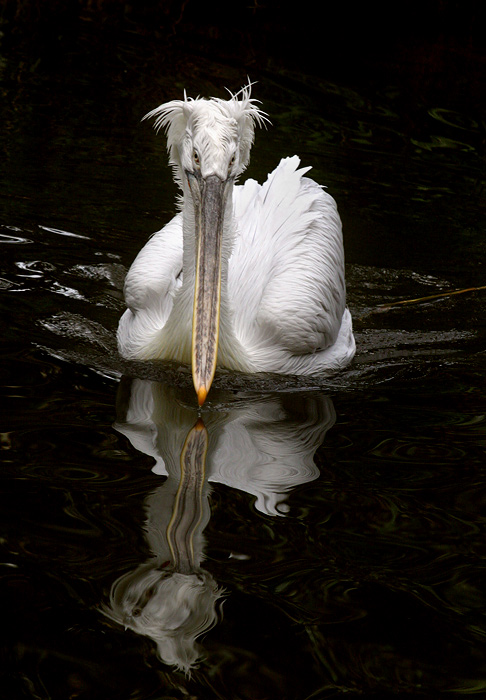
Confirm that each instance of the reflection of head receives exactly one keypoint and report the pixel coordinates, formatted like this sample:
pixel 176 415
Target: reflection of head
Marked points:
pixel 171 608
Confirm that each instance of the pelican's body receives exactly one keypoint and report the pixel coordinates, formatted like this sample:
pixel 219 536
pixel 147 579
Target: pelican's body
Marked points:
pixel 281 301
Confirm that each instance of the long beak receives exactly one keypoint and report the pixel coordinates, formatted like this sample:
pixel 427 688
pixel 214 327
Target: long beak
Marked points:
pixel 207 292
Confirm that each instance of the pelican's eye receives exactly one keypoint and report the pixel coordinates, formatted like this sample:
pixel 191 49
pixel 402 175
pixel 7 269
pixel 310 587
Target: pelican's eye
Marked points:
pixel 195 157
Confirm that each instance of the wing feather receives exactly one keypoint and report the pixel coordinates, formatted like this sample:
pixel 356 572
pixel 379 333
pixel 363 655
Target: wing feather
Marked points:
pixel 150 285
pixel 288 263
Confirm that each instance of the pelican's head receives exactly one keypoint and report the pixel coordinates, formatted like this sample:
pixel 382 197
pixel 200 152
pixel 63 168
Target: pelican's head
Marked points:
pixel 209 142
pixel 212 137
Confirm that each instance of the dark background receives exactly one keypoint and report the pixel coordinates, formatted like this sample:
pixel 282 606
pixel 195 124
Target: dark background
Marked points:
pixel 437 45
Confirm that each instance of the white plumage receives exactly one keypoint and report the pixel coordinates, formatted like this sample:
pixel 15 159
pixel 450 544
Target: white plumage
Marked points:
pixel 282 305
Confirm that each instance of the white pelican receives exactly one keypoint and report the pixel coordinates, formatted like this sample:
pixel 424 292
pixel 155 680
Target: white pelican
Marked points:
pixel 252 275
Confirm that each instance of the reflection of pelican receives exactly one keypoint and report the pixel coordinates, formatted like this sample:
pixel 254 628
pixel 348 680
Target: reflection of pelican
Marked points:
pixel 261 445
pixel 252 274
pixel 170 598
pixel 255 445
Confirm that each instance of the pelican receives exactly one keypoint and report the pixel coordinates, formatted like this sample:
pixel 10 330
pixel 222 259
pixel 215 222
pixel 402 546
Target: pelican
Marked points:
pixel 249 275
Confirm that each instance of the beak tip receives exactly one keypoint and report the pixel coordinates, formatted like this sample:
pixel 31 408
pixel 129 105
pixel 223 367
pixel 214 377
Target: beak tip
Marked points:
pixel 201 395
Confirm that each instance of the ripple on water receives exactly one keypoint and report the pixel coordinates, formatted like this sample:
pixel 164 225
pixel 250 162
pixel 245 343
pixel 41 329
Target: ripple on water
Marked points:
pixel 11 238
pixel 418 450
pixel 455 119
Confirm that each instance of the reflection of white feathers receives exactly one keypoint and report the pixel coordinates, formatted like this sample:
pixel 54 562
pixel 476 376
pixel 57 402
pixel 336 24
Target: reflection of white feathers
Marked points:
pixel 171 608
pixel 263 446
pixel 140 429
pixel 170 598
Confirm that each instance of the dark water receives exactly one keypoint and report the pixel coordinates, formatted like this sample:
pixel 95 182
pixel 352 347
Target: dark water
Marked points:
pixel 330 533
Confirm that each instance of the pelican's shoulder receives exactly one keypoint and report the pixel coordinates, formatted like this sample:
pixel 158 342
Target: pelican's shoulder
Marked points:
pixel 287 202
pixel 300 211
pixel 155 270
pixel 288 184
pixel 245 196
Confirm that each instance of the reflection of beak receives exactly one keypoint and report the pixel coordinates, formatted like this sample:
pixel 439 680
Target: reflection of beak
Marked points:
pixel 188 506
pixel 209 209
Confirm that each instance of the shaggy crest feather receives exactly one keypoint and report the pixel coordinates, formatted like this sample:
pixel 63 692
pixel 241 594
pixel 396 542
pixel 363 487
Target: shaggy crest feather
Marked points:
pixel 229 119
